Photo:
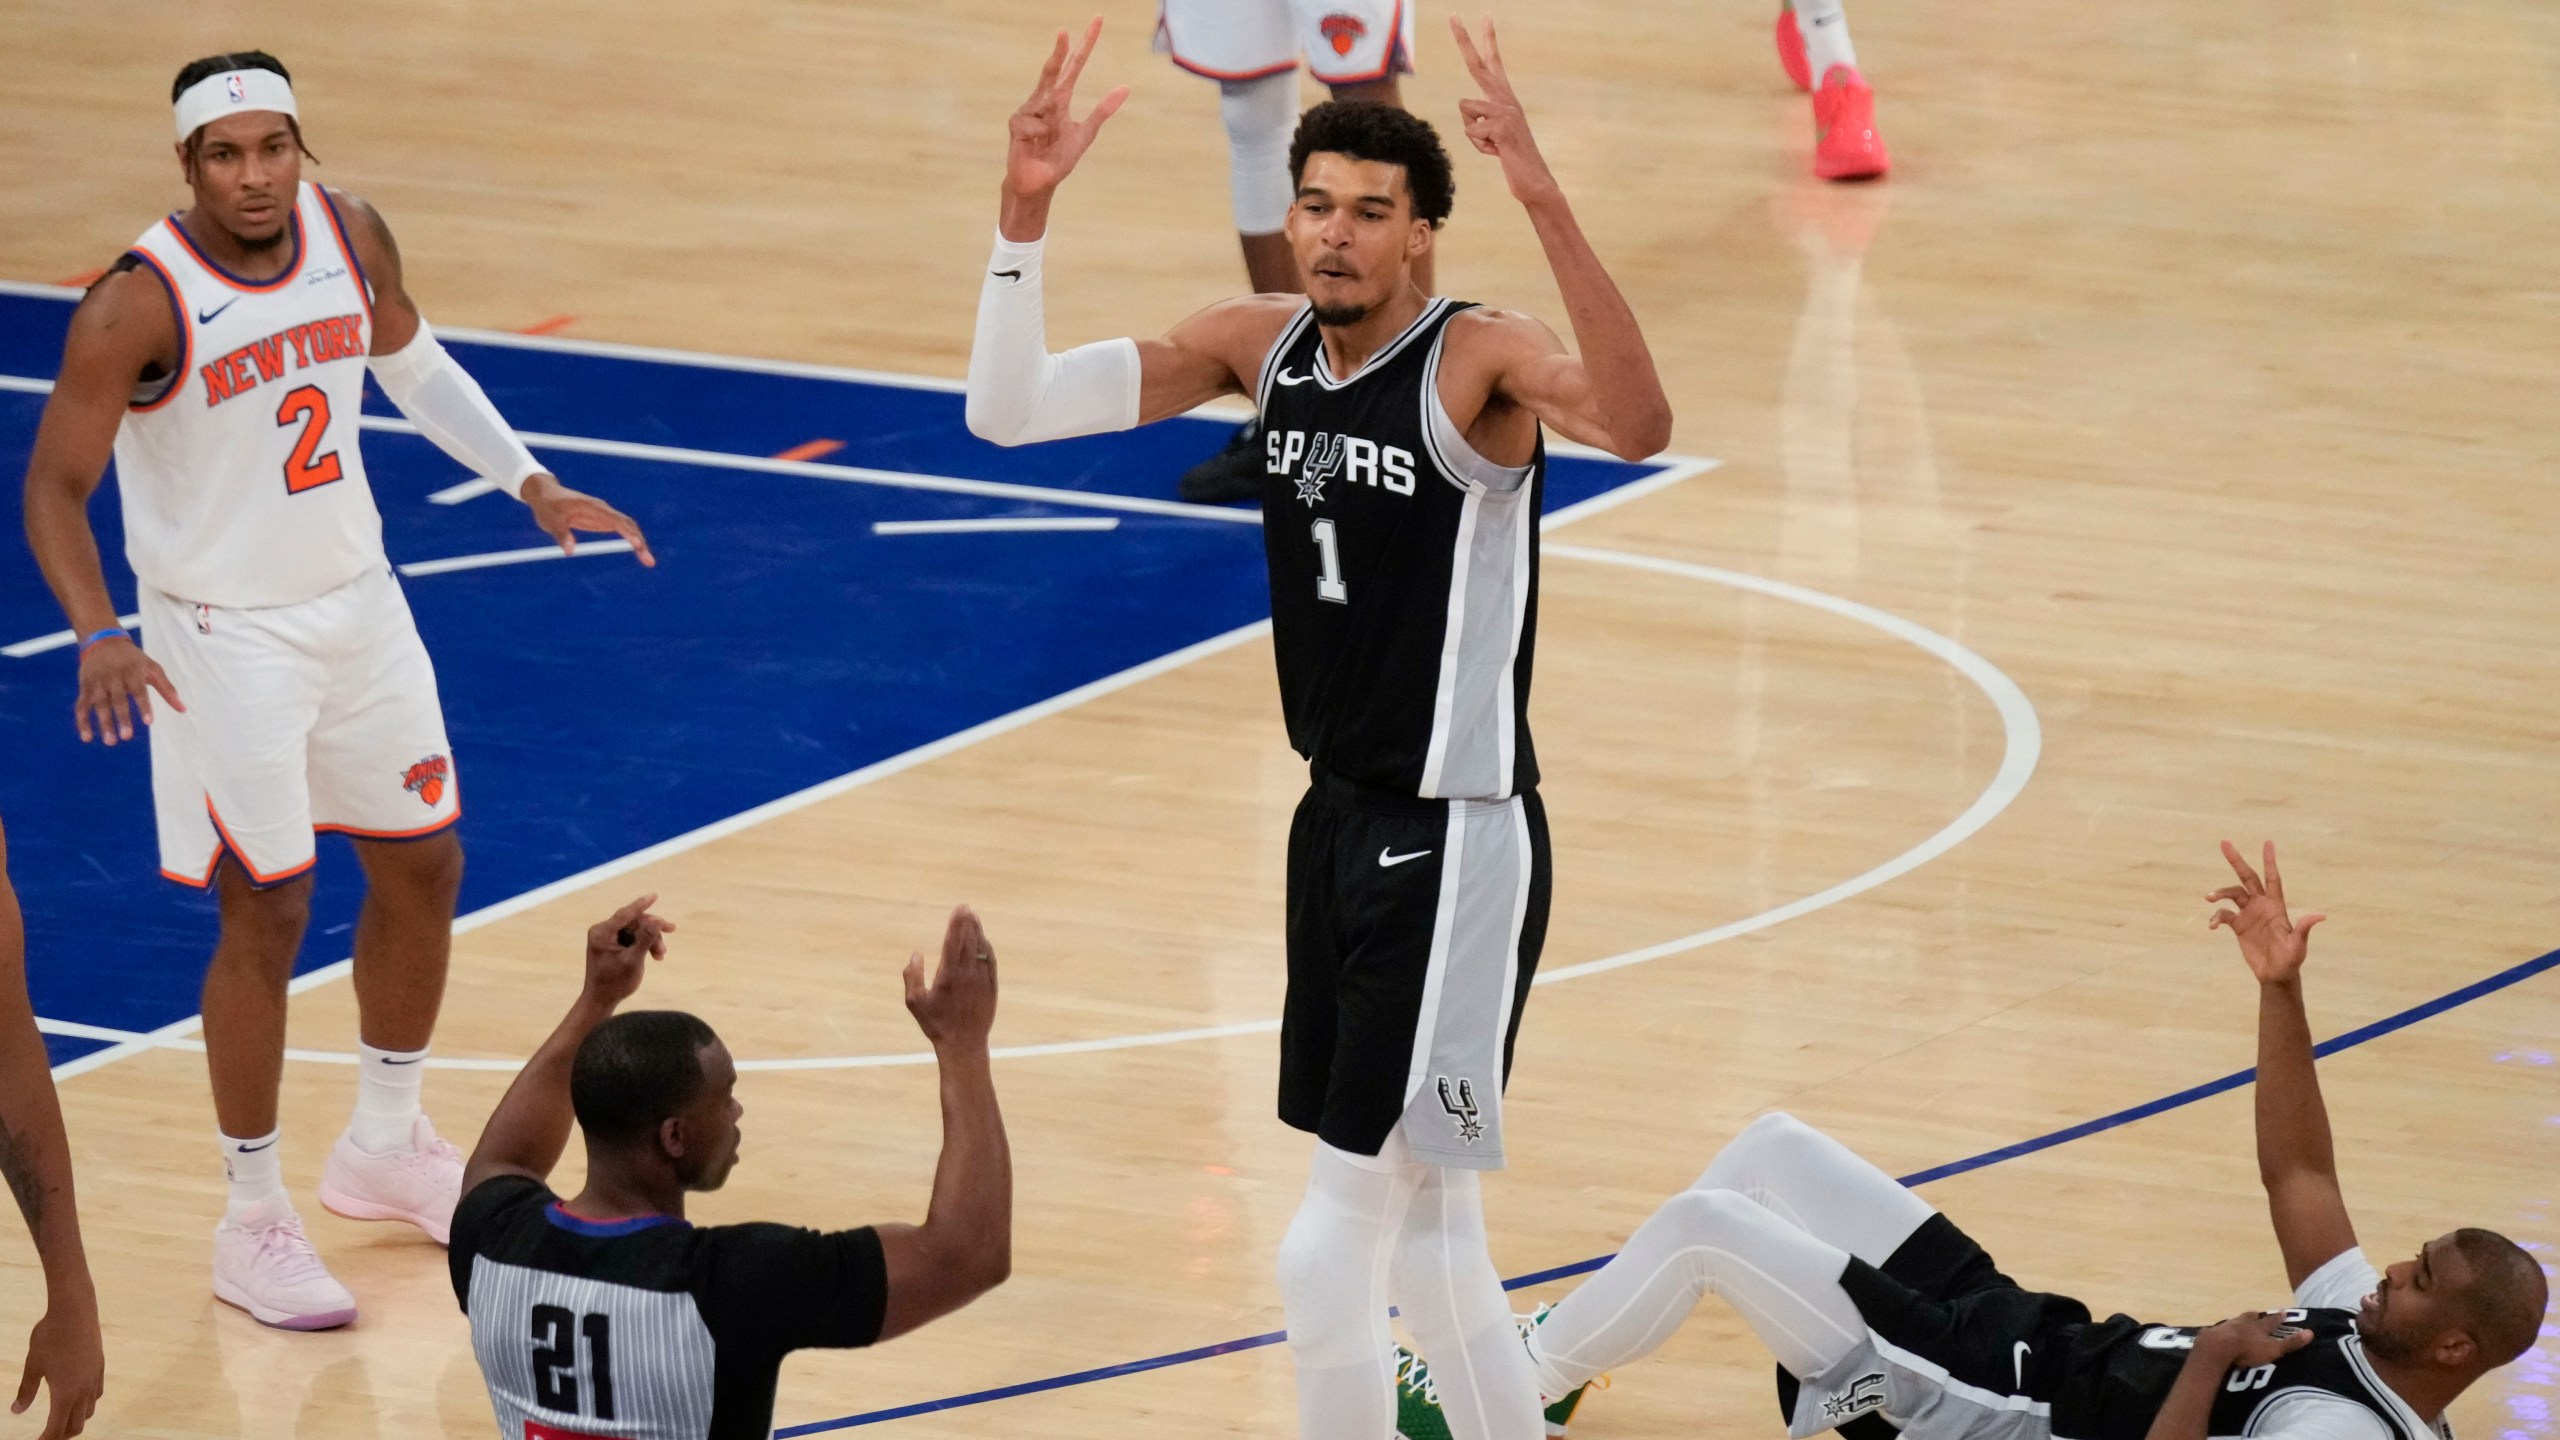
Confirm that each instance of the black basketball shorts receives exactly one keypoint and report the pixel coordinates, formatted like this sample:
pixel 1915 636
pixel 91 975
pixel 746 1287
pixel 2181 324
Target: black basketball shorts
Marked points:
pixel 1414 930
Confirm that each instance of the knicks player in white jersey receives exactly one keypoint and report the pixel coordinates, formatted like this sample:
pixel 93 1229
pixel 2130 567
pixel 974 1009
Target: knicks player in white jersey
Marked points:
pixel 222 362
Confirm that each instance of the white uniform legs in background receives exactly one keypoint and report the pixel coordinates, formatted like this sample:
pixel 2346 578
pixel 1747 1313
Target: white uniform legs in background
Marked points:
pixel 1371 1223
pixel 1768 1227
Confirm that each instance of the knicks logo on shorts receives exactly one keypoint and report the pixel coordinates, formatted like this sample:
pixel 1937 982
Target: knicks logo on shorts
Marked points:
pixel 427 778
pixel 1342 31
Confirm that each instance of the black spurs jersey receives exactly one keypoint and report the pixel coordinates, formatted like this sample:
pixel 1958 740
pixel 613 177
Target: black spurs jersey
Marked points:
pixel 648 1328
pixel 1404 571
pixel 2116 1375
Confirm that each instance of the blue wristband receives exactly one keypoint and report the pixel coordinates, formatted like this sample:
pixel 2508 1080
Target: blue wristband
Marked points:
pixel 103 634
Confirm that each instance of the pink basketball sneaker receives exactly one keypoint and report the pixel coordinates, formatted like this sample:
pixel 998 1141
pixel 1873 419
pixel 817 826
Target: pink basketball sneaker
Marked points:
pixel 420 1184
pixel 268 1268
pixel 1845 143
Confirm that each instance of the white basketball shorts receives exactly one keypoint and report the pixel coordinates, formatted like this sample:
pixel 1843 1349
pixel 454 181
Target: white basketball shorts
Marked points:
pixel 1346 42
pixel 320 715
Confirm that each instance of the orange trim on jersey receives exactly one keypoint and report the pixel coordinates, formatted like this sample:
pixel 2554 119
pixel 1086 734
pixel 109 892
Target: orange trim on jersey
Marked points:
pixel 186 333
pixel 1387 66
pixel 188 880
pixel 418 834
pixel 1205 73
pixel 253 287
pixel 260 881
pixel 338 227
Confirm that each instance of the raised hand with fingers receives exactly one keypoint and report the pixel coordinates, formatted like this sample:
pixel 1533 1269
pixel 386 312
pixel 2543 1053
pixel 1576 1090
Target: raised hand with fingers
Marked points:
pixel 1495 123
pixel 2272 942
pixel 959 1007
pixel 1044 138
pixel 619 948
pixel 116 681
pixel 561 513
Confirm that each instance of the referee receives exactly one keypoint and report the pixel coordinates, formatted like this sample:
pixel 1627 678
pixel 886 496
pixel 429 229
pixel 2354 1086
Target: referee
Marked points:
pixel 608 1314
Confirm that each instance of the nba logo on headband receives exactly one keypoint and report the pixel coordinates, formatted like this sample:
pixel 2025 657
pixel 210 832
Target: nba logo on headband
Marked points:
pixel 237 91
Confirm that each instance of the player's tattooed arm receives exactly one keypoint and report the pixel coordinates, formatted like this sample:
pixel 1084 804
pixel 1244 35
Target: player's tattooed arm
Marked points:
pixel 530 1127
pixel 558 511
pixel 1612 384
pixel 125 328
pixel 2297 1159
pixel 65 1352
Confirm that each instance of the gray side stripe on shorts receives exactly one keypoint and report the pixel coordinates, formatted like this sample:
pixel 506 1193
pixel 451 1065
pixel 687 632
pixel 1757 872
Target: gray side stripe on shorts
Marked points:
pixel 1453 1090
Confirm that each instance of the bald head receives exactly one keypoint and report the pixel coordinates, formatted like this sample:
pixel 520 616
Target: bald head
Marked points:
pixel 2503 1300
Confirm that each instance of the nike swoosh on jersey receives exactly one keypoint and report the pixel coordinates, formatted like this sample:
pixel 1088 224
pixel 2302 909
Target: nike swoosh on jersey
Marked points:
pixel 1285 378
pixel 205 317
pixel 1387 857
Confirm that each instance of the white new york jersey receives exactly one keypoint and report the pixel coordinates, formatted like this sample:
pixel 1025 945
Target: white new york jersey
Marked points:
pixel 242 482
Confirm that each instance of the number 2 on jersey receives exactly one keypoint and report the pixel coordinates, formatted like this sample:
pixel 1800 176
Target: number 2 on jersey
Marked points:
pixel 1329 584
pixel 302 470
pixel 555 1360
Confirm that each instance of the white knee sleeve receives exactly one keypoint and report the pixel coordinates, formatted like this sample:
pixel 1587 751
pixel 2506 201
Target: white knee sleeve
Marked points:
pixel 1333 1270
pixel 1783 1282
pixel 1452 1297
pixel 1262 118
pixel 1818 1185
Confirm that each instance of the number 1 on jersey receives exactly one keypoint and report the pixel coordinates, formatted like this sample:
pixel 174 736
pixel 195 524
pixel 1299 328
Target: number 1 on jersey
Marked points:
pixel 1329 584
pixel 302 470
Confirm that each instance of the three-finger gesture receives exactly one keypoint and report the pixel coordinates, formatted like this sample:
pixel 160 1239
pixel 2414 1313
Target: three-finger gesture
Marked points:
pixel 619 948
pixel 116 680
pixel 959 1007
pixel 2270 941
pixel 1496 124
pixel 561 513
pixel 1044 138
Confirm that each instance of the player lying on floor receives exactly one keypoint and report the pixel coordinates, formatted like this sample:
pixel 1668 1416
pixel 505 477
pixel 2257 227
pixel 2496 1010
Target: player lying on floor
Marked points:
pixel 609 1314
pixel 1884 1316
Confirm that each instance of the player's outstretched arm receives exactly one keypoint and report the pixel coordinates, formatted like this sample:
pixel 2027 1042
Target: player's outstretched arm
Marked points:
pixel 451 409
pixel 964 1248
pixel 1019 392
pixel 530 1127
pixel 65 1352
pixel 2297 1162
pixel 1609 396
pixel 125 325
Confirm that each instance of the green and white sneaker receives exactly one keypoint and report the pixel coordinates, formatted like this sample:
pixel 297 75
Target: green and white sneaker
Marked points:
pixel 1559 1412
pixel 1418 1414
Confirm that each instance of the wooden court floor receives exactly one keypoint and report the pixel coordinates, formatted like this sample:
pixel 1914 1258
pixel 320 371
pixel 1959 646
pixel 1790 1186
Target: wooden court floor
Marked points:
pixel 2193 368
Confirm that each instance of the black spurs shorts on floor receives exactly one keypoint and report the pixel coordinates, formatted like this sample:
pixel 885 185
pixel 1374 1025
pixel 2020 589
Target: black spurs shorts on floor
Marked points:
pixel 1414 929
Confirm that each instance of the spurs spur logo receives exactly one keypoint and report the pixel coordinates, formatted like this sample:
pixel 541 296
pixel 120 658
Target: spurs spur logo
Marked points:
pixel 1325 456
pixel 1459 1099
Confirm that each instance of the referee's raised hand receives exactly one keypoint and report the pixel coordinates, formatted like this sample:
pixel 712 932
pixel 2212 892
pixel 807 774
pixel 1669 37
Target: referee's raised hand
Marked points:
pixel 959 1007
pixel 619 948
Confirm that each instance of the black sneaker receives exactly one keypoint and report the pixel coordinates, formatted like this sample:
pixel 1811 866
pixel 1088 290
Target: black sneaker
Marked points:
pixel 1232 474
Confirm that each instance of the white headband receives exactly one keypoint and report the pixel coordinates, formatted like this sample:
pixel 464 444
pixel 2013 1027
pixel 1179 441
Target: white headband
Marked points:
pixel 230 93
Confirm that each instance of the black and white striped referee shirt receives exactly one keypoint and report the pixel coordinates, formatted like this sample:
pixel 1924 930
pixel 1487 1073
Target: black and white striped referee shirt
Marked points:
pixel 649 1328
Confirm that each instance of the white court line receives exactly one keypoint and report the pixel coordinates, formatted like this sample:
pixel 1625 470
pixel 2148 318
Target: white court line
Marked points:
pixel 56 640
pixel 997 525
pixel 2023 744
pixel 524 556
pixel 808 469
pixel 467 490
pixel 59 638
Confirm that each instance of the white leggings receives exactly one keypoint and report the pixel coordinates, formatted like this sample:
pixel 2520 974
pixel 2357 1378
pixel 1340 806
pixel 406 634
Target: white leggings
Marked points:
pixel 1768 1227
pixel 1374 1227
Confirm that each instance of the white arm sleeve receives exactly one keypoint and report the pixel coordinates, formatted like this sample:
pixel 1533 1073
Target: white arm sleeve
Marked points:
pixel 450 408
pixel 1019 392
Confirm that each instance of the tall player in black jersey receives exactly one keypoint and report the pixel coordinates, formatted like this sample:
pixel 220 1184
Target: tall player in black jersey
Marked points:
pixel 1404 466
pixel 1884 1316
pixel 608 1314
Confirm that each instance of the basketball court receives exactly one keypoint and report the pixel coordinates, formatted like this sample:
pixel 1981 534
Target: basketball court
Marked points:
pixel 2157 456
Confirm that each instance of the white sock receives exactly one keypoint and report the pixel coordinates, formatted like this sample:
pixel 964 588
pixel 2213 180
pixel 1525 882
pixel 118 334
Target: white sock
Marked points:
pixel 1826 37
pixel 387 1083
pixel 256 1173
